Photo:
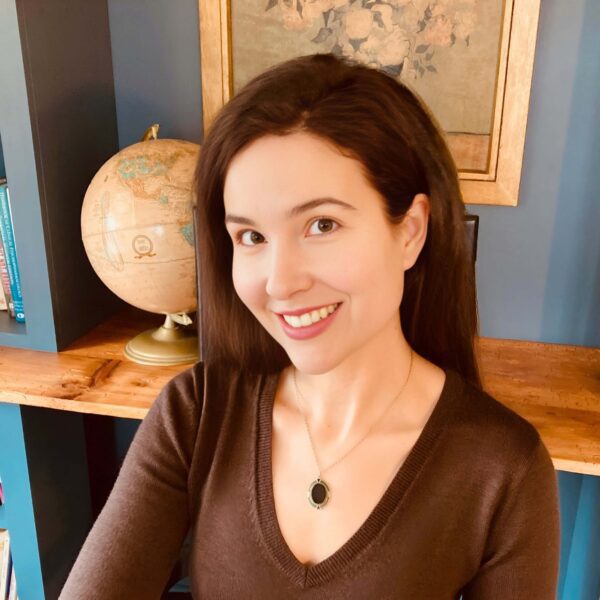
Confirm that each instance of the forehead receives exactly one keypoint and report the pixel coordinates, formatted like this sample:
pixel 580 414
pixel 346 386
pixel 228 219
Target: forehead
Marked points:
pixel 285 170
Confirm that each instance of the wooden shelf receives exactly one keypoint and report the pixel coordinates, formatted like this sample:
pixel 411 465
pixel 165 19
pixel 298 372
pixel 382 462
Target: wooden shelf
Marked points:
pixel 555 387
pixel 92 375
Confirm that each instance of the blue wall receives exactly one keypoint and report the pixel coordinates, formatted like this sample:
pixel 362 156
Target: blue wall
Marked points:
pixel 538 267
pixel 156 65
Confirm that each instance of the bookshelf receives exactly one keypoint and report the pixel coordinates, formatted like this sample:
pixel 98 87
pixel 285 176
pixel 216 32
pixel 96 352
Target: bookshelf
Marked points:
pixel 57 127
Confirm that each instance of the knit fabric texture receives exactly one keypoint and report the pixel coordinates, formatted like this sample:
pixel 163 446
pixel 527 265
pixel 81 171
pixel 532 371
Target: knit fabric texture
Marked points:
pixel 472 511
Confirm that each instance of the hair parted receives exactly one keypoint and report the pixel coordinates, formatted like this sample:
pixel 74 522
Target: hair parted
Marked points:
pixel 370 116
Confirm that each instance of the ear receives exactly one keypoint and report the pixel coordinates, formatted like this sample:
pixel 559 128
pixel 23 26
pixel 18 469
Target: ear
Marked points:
pixel 414 230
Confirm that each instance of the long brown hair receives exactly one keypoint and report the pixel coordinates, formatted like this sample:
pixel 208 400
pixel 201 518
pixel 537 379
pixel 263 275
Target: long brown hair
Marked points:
pixel 372 117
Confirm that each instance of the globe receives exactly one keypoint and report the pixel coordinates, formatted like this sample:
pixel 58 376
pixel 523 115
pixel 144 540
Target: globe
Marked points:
pixel 136 226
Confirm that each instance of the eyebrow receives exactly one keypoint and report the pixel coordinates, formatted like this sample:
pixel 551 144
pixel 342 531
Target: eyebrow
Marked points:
pixel 295 211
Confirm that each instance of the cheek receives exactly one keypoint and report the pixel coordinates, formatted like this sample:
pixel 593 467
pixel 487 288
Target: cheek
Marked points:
pixel 379 278
pixel 247 286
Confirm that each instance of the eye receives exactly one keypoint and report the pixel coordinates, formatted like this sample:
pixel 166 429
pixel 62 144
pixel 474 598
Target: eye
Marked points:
pixel 329 225
pixel 249 237
pixel 319 226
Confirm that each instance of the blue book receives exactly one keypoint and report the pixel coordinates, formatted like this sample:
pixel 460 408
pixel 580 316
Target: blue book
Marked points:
pixel 10 253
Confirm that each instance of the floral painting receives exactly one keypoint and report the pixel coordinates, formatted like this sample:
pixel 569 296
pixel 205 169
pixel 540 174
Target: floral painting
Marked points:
pixel 442 49
pixel 398 36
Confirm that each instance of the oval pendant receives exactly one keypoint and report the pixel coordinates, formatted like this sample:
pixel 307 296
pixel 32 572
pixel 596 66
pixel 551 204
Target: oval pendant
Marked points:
pixel 318 493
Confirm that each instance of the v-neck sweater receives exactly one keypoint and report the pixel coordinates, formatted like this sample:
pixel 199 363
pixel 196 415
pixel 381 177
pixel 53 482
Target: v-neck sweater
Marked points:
pixel 472 510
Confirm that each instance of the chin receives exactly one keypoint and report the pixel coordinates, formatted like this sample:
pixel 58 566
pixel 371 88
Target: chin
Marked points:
pixel 311 362
pixel 309 356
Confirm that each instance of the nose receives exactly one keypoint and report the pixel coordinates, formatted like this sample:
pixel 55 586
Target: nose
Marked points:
pixel 289 272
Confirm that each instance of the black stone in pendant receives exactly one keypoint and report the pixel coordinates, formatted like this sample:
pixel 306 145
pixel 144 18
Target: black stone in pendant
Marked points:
pixel 318 493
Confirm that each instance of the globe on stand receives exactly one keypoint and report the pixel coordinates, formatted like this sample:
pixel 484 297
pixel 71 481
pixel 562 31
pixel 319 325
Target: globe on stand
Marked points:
pixel 137 230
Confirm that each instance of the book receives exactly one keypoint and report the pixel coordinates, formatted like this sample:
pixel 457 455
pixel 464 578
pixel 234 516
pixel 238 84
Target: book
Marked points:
pixel 3 304
pixel 4 563
pixel 5 285
pixel 10 253
pixel 12 588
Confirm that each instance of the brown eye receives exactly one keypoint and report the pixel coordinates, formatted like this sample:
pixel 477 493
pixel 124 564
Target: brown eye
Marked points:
pixel 323 225
pixel 250 238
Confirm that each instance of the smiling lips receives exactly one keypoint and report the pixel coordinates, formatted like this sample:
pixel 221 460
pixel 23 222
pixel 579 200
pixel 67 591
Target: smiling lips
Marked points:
pixel 308 324
pixel 310 317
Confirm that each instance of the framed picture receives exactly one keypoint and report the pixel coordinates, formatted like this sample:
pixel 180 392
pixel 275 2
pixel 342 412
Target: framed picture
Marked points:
pixel 470 60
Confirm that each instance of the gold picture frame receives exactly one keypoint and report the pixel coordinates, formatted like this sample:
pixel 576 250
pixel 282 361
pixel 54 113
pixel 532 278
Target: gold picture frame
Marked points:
pixel 497 155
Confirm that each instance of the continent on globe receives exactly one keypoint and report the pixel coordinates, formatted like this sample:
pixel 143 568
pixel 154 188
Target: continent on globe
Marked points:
pixel 136 224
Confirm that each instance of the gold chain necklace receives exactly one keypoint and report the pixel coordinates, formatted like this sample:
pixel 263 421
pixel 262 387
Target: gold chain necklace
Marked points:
pixel 319 491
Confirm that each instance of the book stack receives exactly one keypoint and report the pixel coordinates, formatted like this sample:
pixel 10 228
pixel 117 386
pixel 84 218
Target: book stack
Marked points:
pixel 8 582
pixel 11 299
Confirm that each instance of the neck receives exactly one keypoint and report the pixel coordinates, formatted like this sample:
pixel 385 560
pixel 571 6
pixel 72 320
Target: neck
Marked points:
pixel 351 396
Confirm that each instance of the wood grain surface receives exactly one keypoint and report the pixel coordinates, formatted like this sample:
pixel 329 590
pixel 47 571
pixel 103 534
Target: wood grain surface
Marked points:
pixel 556 388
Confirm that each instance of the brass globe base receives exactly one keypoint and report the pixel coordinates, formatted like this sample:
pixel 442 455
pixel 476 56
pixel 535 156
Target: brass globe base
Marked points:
pixel 166 345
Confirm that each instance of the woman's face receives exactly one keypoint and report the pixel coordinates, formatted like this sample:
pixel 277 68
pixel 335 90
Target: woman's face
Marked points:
pixel 312 242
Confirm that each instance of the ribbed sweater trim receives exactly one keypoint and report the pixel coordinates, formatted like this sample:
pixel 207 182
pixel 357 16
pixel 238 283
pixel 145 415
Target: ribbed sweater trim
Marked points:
pixel 311 575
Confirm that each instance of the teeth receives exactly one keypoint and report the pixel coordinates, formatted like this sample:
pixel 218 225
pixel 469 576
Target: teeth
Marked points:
pixel 310 317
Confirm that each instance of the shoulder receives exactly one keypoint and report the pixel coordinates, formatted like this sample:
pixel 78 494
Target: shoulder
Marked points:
pixel 190 381
pixel 208 384
pixel 184 391
pixel 494 433
pixel 180 399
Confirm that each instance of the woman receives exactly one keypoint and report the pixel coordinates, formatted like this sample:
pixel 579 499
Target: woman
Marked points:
pixel 336 442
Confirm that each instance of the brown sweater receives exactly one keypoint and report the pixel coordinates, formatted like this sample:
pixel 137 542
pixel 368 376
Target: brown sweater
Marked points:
pixel 472 510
